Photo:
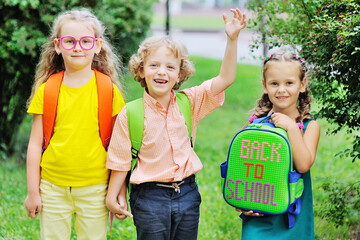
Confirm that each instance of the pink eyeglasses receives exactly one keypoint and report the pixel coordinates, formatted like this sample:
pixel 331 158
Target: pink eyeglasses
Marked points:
pixel 69 42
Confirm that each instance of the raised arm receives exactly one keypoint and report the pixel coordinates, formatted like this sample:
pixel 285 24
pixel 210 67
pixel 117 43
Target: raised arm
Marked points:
pixel 227 73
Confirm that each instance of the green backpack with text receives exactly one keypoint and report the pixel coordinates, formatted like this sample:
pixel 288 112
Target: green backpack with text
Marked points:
pixel 258 174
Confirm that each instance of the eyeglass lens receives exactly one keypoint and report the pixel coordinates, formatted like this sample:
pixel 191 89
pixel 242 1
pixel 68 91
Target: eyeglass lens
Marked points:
pixel 86 43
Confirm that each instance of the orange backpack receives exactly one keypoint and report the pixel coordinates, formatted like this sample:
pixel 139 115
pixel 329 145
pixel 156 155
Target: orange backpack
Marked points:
pixel 105 101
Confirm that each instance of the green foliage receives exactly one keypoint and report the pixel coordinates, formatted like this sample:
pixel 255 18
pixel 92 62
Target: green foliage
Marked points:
pixel 326 33
pixel 342 203
pixel 24 28
pixel 127 22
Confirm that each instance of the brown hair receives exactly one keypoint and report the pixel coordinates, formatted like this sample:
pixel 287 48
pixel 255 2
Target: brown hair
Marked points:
pixel 136 62
pixel 50 62
pixel 304 100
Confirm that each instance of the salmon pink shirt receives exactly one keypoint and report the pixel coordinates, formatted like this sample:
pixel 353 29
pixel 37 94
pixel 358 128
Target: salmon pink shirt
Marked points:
pixel 166 154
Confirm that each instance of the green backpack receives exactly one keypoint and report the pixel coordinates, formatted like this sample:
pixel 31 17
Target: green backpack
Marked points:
pixel 258 174
pixel 135 115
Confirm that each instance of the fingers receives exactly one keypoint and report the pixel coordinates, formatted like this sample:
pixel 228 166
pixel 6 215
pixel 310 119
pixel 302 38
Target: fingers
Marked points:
pixel 32 209
pixel 128 214
pixel 123 214
pixel 120 216
pixel 235 12
pixel 225 17
pixel 123 203
pixel 238 18
pixel 238 15
pixel 250 213
pixel 34 212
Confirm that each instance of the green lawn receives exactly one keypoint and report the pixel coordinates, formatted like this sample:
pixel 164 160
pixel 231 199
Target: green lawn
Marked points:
pixel 218 220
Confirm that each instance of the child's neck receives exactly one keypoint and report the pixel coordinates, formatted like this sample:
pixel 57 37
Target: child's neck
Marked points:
pixel 77 78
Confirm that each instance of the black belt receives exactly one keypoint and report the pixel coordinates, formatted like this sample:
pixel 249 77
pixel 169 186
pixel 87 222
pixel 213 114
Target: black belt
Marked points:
pixel 173 185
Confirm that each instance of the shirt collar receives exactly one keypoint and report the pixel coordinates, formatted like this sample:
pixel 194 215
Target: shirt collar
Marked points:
pixel 153 103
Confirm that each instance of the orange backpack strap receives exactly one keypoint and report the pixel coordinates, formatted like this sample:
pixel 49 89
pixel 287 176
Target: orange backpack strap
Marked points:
pixel 51 96
pixel 105 105
pixel 105 102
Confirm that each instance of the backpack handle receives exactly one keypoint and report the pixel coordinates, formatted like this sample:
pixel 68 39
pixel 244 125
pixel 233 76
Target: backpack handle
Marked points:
pixel 264 120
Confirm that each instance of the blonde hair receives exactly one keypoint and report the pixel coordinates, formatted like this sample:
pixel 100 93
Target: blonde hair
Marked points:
pixel 136 62
pixel 50 62
pixel 304 100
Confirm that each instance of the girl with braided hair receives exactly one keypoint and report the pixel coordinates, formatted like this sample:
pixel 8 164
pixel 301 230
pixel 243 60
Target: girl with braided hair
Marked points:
pixel 286 97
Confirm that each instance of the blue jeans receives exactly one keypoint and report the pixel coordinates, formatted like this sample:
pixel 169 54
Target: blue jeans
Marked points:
pixel 162 213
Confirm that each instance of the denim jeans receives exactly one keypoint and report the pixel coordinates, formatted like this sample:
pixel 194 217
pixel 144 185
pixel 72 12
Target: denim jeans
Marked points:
pixel 162 213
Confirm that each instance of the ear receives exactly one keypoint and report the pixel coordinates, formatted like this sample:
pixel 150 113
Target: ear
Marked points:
pixel 178 78
pixel 141 73
pixel 98 45
pixel 264 86
pixel 57 46
pixel 303 85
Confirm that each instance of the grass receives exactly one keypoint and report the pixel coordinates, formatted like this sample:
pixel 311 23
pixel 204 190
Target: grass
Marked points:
pixel 214 134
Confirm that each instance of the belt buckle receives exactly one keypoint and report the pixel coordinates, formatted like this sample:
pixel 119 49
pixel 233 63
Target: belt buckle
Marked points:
pixel 176 187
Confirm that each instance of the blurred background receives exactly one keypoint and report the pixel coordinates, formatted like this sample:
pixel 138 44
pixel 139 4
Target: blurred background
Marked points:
pixel 326 33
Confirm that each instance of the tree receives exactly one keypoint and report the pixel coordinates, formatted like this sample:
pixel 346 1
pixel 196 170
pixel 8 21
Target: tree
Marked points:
pixel 326 33
pixel 24 28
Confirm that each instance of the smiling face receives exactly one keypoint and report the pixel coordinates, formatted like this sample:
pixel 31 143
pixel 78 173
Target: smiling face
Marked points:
pixel 77 58
pixel 161 71
pixel 283 85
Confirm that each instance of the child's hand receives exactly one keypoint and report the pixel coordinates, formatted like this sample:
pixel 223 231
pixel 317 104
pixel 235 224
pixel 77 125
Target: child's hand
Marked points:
pixel 283 121
pixel 123 205
pixel 120 211
pixel 238 23
pixel 250 213
pixel 33 204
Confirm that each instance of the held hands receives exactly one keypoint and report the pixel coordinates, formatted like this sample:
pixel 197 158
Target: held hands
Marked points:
pixel 238 23
pixel 33 205
pixel 119 209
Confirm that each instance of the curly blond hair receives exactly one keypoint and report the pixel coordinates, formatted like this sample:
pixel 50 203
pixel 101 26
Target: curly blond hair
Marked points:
pixel 136 62
pixel 304 100
pixel 50 62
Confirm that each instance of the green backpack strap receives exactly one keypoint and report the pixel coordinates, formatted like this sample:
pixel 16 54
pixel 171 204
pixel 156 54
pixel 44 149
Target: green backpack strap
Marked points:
pixel 135 115
pixel 185 109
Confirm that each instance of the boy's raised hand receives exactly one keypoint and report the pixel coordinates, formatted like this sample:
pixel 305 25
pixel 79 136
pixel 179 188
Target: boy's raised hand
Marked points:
pixel 238 23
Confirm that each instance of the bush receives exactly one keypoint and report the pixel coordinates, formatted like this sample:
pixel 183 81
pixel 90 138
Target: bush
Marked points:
pixel 341 204
pixel 24 28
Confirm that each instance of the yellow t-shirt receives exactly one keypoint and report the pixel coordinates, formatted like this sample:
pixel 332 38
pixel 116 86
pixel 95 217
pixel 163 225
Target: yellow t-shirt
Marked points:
pixel 75 155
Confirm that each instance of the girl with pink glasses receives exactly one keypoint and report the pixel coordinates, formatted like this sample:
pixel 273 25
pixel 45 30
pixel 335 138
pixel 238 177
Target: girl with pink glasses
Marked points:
pixel 66 173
